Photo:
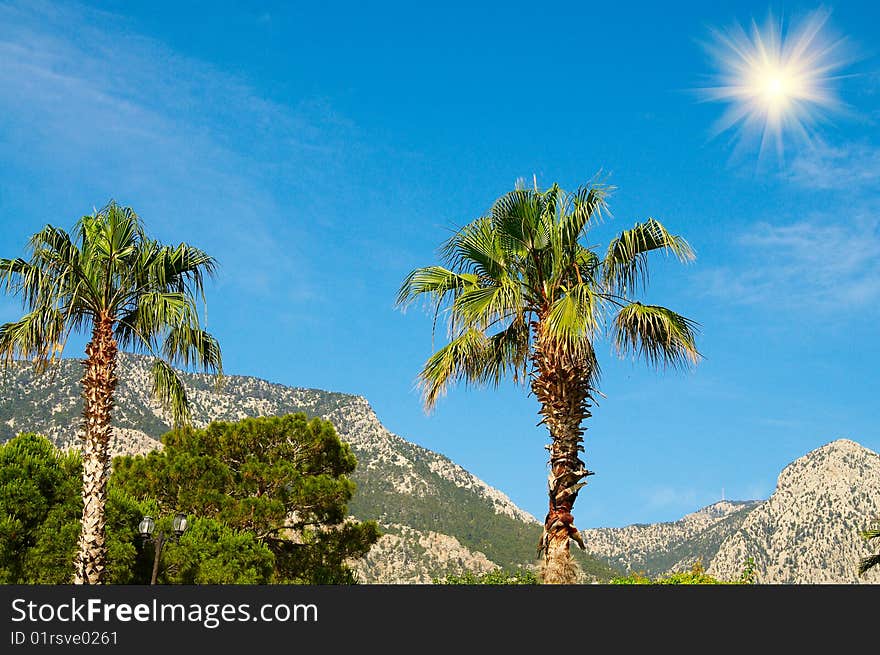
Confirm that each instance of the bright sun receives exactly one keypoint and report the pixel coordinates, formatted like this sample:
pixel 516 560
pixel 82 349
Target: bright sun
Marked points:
pixel 774 81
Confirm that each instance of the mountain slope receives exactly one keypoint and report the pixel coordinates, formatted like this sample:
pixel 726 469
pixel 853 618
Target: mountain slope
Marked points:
pixel 657 548
pixel 808 530
pixel 419 497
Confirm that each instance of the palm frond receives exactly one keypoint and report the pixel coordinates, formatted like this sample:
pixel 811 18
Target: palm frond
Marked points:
pixel 462 359
pixel 626 264
pixel 156 310
pixel 868 563
pixel 516 217
pixel 507 354
pixel 484 307
pixel 574 317
pixel 184 269
pixel 39 336
pixel 169 389
pixel 434 282
pixel 475 248
pixel 657 334
pixel 587 206
pixel 187 345
pixel 475 358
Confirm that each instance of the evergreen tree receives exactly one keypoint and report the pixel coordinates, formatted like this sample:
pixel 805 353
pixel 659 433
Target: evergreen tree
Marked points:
pixel 40 509
pixel 274 487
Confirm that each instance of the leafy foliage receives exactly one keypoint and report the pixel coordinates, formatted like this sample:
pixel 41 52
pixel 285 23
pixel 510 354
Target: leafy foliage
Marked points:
pixel 872 560
pixel 210 552
pixel 696 575
pixel 241 526
pixel 40 508
pixel 279 484
pixel 749 573
pixel 497 577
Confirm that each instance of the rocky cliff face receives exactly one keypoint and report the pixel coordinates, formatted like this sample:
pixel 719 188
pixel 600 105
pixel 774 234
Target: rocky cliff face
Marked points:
pixel 808 530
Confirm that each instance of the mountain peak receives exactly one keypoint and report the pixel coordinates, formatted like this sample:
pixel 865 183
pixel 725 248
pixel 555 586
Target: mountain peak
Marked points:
pixel 843 445
pixel 841 459
pixel 808 530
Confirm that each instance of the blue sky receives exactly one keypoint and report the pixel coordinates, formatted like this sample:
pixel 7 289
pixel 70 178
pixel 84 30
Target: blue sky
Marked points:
pixel 321 153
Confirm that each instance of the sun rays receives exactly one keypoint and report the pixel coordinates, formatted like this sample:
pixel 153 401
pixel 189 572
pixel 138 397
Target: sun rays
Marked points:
pixel 777 81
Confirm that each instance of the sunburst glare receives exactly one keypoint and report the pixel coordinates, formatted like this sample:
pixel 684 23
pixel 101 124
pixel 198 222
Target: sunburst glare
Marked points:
pixel 778 82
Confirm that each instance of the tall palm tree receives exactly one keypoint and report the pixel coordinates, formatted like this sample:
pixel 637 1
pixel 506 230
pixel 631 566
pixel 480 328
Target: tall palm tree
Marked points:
pixel 524 297
pixel 129 292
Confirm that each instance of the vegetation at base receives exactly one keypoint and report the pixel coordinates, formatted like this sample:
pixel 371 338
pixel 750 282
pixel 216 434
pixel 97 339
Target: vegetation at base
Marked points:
pixel 497 577
pixel 697 575
pixel 274 488
pixel 239 483
pixel 40 509
pixel 521 576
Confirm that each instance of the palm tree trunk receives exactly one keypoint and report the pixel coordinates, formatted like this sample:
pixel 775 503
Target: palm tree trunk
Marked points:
pixel 99 383
pixel 561 386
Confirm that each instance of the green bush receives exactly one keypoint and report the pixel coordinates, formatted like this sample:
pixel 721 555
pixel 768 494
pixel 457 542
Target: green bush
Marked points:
pixel 496 577
pixel 696 575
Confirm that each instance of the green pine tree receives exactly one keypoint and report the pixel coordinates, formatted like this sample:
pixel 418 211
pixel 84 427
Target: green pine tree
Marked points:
pixel 274 487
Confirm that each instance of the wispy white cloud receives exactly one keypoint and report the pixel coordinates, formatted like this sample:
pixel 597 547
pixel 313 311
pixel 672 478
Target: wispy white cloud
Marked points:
pixel 828 258
pixel 88 102
pixel 853 167
pixel 810 264
pixel 672 497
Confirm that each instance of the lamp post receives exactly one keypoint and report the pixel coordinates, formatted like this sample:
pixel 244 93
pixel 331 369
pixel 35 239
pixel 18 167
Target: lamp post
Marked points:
pixel 147 527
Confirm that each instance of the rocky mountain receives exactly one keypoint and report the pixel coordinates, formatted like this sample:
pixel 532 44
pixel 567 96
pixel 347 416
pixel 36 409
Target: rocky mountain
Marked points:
pixel 437 518
pixel 657 548
pixel 806 532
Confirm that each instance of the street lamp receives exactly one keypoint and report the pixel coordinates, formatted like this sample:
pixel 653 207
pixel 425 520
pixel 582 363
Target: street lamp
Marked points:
pixel 147 527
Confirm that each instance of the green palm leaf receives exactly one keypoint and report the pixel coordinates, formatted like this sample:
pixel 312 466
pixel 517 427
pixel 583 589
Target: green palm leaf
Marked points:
pixel 657 334
pixel 871 561
pixel 626 264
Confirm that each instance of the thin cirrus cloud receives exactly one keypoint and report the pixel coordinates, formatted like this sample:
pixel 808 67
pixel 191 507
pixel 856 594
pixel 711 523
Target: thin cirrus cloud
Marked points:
pixel 827 261
pixel 808 264
pixel 86 103
pixel 671 497
pixel 852 168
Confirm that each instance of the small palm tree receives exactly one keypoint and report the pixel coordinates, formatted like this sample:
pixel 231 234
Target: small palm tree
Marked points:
pixel 525 298
pixel 871 561
pixel 129 292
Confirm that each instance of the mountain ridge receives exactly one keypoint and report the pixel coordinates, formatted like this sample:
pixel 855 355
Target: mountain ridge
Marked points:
pixel 438 518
